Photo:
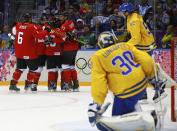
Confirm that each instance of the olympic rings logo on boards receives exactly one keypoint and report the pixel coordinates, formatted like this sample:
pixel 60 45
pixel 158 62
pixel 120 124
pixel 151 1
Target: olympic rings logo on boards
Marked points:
pixel 84 66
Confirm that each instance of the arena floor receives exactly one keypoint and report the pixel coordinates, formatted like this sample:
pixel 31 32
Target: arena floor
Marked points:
pixel 49 111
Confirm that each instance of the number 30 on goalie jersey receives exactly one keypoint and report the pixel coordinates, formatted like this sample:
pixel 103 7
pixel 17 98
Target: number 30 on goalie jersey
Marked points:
pixel 125 62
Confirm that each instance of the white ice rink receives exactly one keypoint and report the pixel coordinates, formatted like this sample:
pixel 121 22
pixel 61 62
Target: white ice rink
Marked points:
pixel 57 111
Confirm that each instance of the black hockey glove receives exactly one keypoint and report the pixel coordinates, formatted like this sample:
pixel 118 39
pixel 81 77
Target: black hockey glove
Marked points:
pixel 70 36
pixel 47 29
pixel 48 41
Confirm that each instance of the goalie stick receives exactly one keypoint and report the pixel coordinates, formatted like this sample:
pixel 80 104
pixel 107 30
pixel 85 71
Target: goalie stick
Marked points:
pixel 160 101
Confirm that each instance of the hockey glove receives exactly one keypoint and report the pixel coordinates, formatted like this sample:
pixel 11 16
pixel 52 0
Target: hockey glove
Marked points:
pixel 47 29
pixel 93 113
pixel 48 41
pixel 70 36
pixel 11 40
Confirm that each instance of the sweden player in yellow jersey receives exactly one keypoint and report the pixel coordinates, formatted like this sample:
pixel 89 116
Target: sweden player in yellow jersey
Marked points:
pixel 122 69
pixel 141 36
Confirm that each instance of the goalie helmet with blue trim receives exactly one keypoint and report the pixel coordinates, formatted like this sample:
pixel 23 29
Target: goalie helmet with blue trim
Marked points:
pixel 106 39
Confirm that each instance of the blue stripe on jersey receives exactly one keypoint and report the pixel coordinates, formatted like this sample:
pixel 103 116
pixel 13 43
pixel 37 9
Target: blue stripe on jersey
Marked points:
pixel 142 83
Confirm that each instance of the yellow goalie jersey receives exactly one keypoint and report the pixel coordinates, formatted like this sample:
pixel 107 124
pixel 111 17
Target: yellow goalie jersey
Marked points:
pixel 121 68
pixel 141 37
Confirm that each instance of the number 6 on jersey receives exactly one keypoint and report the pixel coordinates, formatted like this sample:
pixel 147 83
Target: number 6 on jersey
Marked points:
pixel 20 38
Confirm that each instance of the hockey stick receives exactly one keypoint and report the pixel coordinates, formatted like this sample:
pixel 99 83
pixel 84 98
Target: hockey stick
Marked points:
pixel 114 34
pixel 160 101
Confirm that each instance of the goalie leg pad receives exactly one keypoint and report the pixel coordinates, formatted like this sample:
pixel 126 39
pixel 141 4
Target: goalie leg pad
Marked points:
pixel 129 122
pixel 102 127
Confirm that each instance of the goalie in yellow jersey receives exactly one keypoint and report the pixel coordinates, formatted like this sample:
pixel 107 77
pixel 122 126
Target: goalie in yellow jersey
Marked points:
pixel 123 70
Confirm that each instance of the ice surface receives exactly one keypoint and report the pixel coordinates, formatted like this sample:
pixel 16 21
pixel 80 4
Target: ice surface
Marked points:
pixel 49 111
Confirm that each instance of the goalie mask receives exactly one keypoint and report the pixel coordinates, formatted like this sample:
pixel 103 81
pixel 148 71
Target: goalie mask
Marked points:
pixel 106 39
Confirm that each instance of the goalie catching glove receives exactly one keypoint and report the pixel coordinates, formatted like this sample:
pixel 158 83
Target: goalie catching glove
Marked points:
pixel 95 111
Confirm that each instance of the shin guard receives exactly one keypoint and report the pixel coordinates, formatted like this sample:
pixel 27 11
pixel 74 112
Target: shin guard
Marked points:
pixel 16 76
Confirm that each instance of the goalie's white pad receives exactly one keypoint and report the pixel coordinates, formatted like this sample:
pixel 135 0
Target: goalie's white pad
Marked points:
pixel 163 75
pixel 146 117
pixel 129 122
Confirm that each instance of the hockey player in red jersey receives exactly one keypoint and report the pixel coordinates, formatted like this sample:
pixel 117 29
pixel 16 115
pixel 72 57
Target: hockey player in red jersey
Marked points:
pixel 41 48
pixel 25 51
pixel 53 52
pixel 69 78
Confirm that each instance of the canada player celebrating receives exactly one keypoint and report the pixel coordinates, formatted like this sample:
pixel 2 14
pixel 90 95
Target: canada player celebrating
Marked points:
pixel 53 52
pixel 25 51
pixel 41 48
pixel 70 48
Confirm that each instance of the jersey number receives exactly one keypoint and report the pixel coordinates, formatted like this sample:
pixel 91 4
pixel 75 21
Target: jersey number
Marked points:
pixel 126 62
pixel 20 38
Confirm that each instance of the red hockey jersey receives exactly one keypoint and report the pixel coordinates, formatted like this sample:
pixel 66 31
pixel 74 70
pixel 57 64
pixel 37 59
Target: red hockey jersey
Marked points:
pixel 58 38
pixel 41 47
pixel 25 40
pixel 68 26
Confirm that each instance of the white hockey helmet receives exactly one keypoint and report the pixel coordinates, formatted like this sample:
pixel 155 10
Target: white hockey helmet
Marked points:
pixel 106 39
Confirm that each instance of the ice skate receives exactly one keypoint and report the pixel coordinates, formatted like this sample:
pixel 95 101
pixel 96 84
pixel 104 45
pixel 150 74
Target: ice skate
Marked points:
pixel 52 86
pixel 27 86
pixel 75 86
pixel 34 87
pixel 14 88
pixel 67 87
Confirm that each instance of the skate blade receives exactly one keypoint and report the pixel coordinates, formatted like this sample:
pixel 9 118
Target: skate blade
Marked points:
pixel 13 91
pixel 30 91
pixel 164 95
pixel 66 90
pixel 27 91
pixel 76 90
pixel 34 92
pixel 54 90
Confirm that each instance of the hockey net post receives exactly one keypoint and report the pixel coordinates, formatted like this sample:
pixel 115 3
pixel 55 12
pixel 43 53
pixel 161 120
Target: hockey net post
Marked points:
pixel 174 76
